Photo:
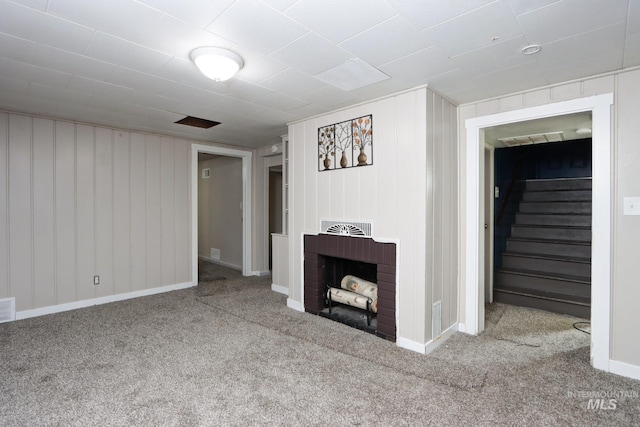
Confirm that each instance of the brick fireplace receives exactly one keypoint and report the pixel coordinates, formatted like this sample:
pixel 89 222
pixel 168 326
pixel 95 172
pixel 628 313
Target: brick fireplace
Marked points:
pixel 322 250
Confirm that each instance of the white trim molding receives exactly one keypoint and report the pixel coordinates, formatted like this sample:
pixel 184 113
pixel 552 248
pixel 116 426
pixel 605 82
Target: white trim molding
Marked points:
pixel 298 306
pixel 624 369
pixel 430 346
pixel 52 309
pixel 284 290
pixel 473 282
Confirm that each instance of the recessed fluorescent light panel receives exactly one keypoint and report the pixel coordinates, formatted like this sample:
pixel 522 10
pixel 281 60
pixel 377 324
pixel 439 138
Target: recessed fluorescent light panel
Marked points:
pixel 351 74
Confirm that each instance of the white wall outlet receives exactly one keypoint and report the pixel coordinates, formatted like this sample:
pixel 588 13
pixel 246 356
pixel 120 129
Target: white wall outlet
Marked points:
pixel 632 205
pixel 496 192
pixel 96 280
pixel 215 254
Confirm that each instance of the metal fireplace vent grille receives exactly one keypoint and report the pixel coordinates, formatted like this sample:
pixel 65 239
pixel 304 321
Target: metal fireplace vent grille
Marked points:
pixel 346 228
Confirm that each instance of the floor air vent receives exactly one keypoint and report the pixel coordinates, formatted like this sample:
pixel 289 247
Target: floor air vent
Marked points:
pixel 7 310
pixel 346 228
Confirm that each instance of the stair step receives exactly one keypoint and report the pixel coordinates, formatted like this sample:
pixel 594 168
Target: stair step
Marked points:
pixel 582 311
pixel 549 247
pixel 525 218
pixel 545 284
pixel 558 184
pixel 557 196
pixel 556 207
pixel 574 234
pixel 580 267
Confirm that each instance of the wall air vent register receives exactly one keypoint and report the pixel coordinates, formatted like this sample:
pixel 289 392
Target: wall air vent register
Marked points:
pixel 346 228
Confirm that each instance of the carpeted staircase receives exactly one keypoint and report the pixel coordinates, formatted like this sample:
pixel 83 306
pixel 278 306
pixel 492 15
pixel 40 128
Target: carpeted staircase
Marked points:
pixel 547 262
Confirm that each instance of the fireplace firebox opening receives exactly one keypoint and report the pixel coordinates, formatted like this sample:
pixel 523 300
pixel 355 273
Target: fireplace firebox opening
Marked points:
pixel 328 259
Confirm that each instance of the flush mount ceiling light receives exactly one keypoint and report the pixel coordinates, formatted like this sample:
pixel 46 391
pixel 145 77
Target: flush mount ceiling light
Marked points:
pixel 583 131
pixel 531 49
pixel 217 63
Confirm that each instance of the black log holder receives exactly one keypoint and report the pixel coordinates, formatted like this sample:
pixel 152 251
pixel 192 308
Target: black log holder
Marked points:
pixel 329 301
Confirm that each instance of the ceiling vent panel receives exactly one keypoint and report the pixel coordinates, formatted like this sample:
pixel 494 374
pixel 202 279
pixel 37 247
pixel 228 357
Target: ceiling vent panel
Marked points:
pixel 197 122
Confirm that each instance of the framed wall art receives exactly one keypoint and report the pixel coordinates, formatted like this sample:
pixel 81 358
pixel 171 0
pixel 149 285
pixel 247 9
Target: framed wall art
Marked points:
pixel 346 144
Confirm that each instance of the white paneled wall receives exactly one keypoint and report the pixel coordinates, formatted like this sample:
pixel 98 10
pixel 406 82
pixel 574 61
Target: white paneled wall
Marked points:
pixel 78 201
pixel 414 166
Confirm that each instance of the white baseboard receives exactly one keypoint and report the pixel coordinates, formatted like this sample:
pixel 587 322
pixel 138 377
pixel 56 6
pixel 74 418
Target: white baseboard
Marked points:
pixel 624 369
pixel 437 342
pixel 295 305
pixel 429 346
pixel 410 345
pixel 261 273
pixel 222 263
pixel 280 289
pixel 52 309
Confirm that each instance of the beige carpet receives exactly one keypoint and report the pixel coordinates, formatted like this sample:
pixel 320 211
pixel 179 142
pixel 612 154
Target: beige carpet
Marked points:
pixel 229 352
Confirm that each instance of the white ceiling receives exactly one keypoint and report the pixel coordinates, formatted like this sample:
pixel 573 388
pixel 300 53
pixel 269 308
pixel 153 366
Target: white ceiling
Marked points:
pixel 125 63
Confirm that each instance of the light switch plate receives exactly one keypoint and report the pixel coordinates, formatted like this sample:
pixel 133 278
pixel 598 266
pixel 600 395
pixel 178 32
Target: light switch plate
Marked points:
pixel 632 205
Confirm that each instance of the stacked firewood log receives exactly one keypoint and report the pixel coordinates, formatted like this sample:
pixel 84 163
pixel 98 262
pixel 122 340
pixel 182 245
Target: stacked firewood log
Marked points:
pixel 355 292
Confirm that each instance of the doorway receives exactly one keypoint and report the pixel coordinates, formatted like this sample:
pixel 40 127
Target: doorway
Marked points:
pixel 473 286
pixel 246 212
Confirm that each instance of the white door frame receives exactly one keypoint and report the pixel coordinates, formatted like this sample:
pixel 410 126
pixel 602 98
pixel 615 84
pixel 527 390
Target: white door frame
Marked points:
pixel 246 204
pixel 473 187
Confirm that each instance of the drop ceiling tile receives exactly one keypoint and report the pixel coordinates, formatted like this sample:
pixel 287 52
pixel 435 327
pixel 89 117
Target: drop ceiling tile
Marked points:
pixel 337 20
pixel 184 71
pixel 257 66
pixel 480 28
pixel 59 94
pixel 140 81
pixel 382 88
pixel 453 81
pixel 17 49
pixel 239 89
pixel 311 54
pixel 281 5
pixel 12 85
pixel 632 50
pixel 496 56
pixel 31 24
pixel 175 37
pixel 419 67
pixel 199 13
pixel 153 100
pixel 523 6
pixel 103 91
pixel 292 82
pixel 583 67
pixel 122 18
pixel 511 80
pixel 256 26
pixel 588 45
pixel 123 53
pixel 331 97
pixel 45 76
pixel 426 14
pixel 549 23
pixel 67 62
pixel 633 18
pixel 34 4
pixel 281 102
pixel 194 95
pixel 386 42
